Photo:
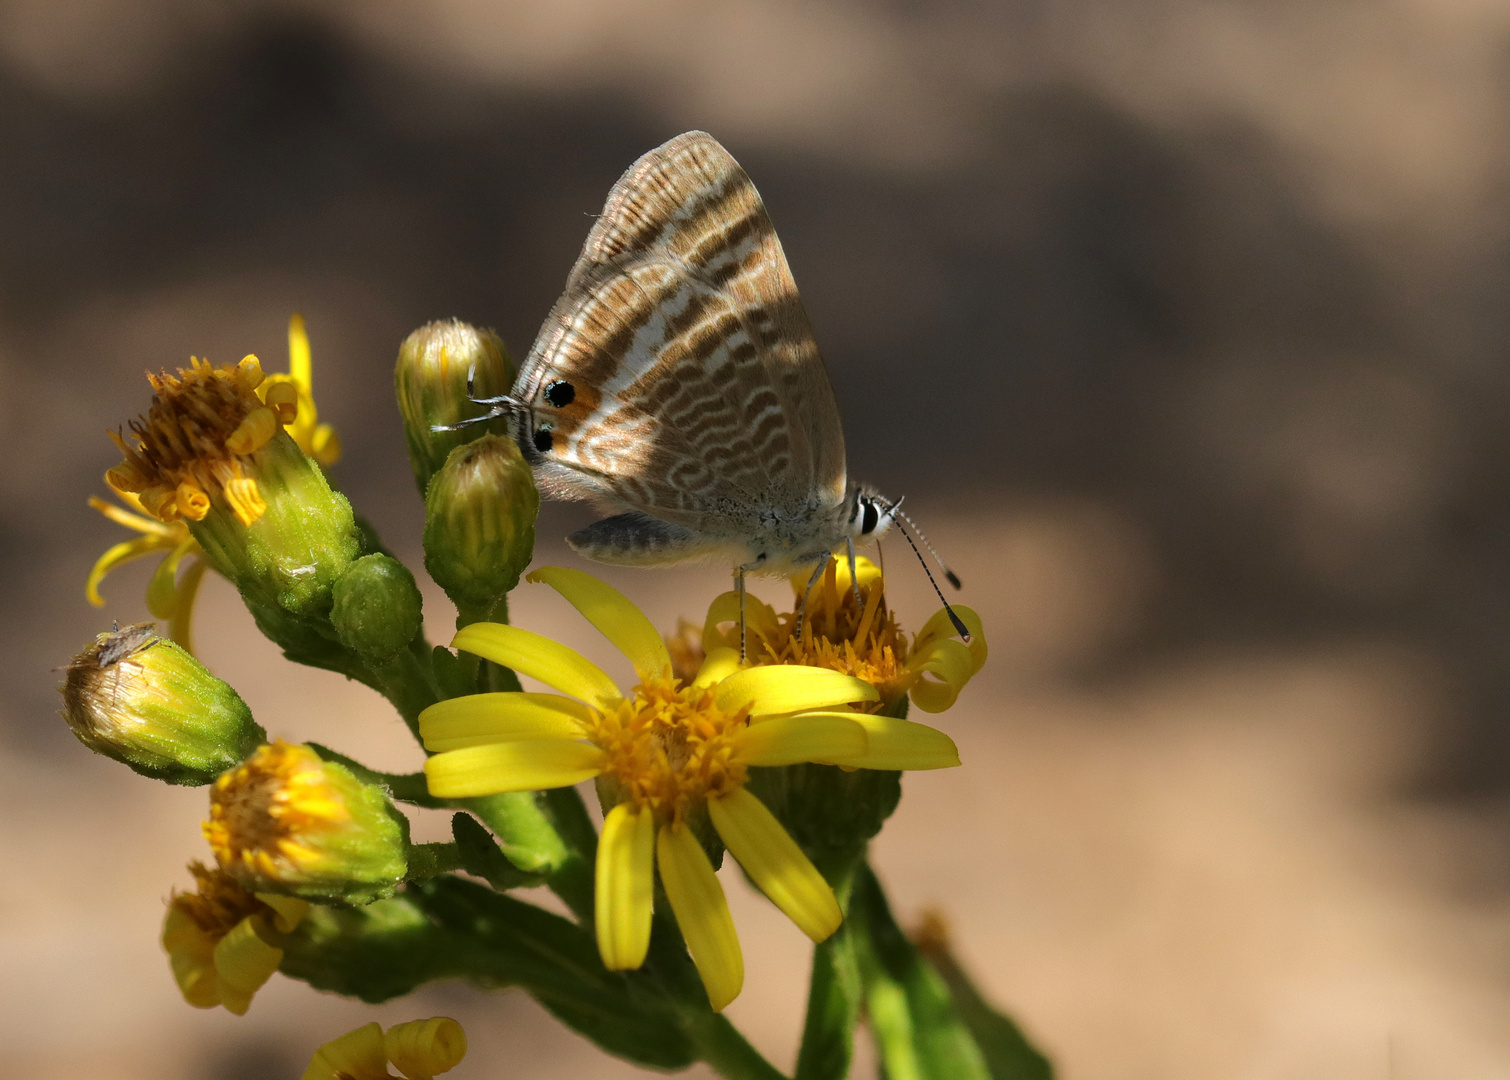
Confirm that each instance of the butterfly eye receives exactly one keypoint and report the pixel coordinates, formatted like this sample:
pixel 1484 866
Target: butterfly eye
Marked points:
pixel 543 439
pixel 560 394
pixel 869 521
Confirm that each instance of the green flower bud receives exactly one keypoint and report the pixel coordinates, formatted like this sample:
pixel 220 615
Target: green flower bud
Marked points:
pixel 480 524
pixel 288 822
pixel 431 382
pixel 377 607
pixel 144 701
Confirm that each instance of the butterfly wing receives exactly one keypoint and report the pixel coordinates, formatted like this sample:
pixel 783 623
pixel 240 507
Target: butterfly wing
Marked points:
pixel 696 389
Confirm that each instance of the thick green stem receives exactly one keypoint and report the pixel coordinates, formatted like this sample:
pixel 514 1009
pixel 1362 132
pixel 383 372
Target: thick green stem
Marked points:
pixel 404 680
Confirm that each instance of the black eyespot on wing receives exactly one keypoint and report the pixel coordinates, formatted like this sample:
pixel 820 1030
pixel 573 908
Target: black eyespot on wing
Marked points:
pixel 543 440
pixel 560 393
pixel 870 520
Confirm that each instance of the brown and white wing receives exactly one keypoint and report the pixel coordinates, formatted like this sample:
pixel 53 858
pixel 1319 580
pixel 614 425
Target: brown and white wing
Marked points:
pixel 695 378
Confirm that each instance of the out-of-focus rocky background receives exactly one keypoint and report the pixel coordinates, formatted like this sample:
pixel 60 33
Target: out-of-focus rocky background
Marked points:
pixel 1182 324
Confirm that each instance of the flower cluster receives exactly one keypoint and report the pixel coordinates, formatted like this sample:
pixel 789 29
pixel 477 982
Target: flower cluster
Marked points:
pixel 784 756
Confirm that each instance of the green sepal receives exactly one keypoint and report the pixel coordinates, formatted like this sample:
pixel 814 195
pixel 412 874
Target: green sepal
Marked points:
pixel 482 857
pixel 376 607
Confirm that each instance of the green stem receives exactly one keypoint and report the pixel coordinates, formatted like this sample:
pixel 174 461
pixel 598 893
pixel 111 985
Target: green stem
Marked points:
pixel 431 860
pixel 404 679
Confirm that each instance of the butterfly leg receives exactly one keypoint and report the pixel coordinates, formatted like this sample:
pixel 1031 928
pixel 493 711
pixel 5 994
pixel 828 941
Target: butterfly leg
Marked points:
pixel 811 583
pixel 739 577
pixel 854 578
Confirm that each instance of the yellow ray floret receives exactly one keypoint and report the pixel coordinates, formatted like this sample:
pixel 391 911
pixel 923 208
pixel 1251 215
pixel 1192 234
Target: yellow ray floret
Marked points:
pixel 665 753
pixel 419 1050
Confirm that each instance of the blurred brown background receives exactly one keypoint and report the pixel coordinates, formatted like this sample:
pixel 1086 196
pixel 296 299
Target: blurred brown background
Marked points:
pixel 1181 324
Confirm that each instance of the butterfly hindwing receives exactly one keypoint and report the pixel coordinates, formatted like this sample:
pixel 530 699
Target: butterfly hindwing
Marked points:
pixel 696 388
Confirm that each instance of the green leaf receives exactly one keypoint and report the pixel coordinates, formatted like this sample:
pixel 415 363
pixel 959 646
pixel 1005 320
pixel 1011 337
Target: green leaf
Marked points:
pixel 506 942
pixel 373 953
pixel 918 1033
pixel 1008 1053
pixel 483 858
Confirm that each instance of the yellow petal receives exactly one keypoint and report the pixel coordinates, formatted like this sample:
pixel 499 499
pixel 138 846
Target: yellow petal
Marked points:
pixel 902 744
pixel 357 1055
pixel 612 615
pixel 787 740
pixel 243 962
pixel 288 911
pixel 526 765
pixel 117 555
pixel 425 1047
pixel 299 366
pixel 774 861
pixel 786 688
pixel 939 627
pixel 540 658
pixel 718 665
pixel 697 899
pixel 950 661
pixel 761 622
pixel 501 717
pixel 191 955
pixel 625 882
pixel 135 522
pixel 181 625
pixel 162 590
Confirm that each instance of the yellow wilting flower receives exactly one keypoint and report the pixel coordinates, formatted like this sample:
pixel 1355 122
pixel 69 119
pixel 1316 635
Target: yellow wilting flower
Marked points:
pixel 420 1049
pixel 221 418
pixel 668 757
pixel 218 939
pixel 285 819
pixel 860 638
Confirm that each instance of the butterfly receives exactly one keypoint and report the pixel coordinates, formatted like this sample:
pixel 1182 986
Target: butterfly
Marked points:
pixel 677 382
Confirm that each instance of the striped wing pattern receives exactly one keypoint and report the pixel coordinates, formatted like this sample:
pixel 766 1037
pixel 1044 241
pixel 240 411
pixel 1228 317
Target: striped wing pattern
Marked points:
pixel 698 391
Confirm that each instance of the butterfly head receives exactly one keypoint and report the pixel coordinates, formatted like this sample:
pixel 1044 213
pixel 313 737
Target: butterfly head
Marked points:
pixel 870 513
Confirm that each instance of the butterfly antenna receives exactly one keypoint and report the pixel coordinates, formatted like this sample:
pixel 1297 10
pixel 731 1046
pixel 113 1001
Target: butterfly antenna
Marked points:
pixel 959 624
pixel 498 406
pixel 896 510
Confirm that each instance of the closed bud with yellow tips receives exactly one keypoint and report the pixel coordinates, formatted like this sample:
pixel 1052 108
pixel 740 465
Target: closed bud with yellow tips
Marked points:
pixel 288 822
pixel 147 703
pixel 434 365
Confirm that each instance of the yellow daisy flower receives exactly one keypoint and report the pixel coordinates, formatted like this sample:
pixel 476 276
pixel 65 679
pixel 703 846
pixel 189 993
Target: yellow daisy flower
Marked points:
pixel 169 596
pixel 668 756
pixel 419 1050
pixel 857 636
pixel 218 939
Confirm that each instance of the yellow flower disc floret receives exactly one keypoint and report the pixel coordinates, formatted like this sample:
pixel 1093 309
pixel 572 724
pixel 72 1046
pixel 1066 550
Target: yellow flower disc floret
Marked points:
pixel 265 813
pixel 670 747
pixel 196 441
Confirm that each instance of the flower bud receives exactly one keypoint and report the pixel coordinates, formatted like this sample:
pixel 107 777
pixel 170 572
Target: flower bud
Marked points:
pixel 430 379
pixel 420 1049
pixel 480 523
pixel 377 609
pixel 146 702
pixel 288 822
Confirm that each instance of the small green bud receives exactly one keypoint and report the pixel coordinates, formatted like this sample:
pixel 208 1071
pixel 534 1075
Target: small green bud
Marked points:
pixel 431 382
pixel 147 703
pixel 480 523
pixel 288 822
pixel 377 608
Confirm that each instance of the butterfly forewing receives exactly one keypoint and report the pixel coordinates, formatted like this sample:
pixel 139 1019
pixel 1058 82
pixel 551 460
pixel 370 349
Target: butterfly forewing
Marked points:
pixel 697 389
